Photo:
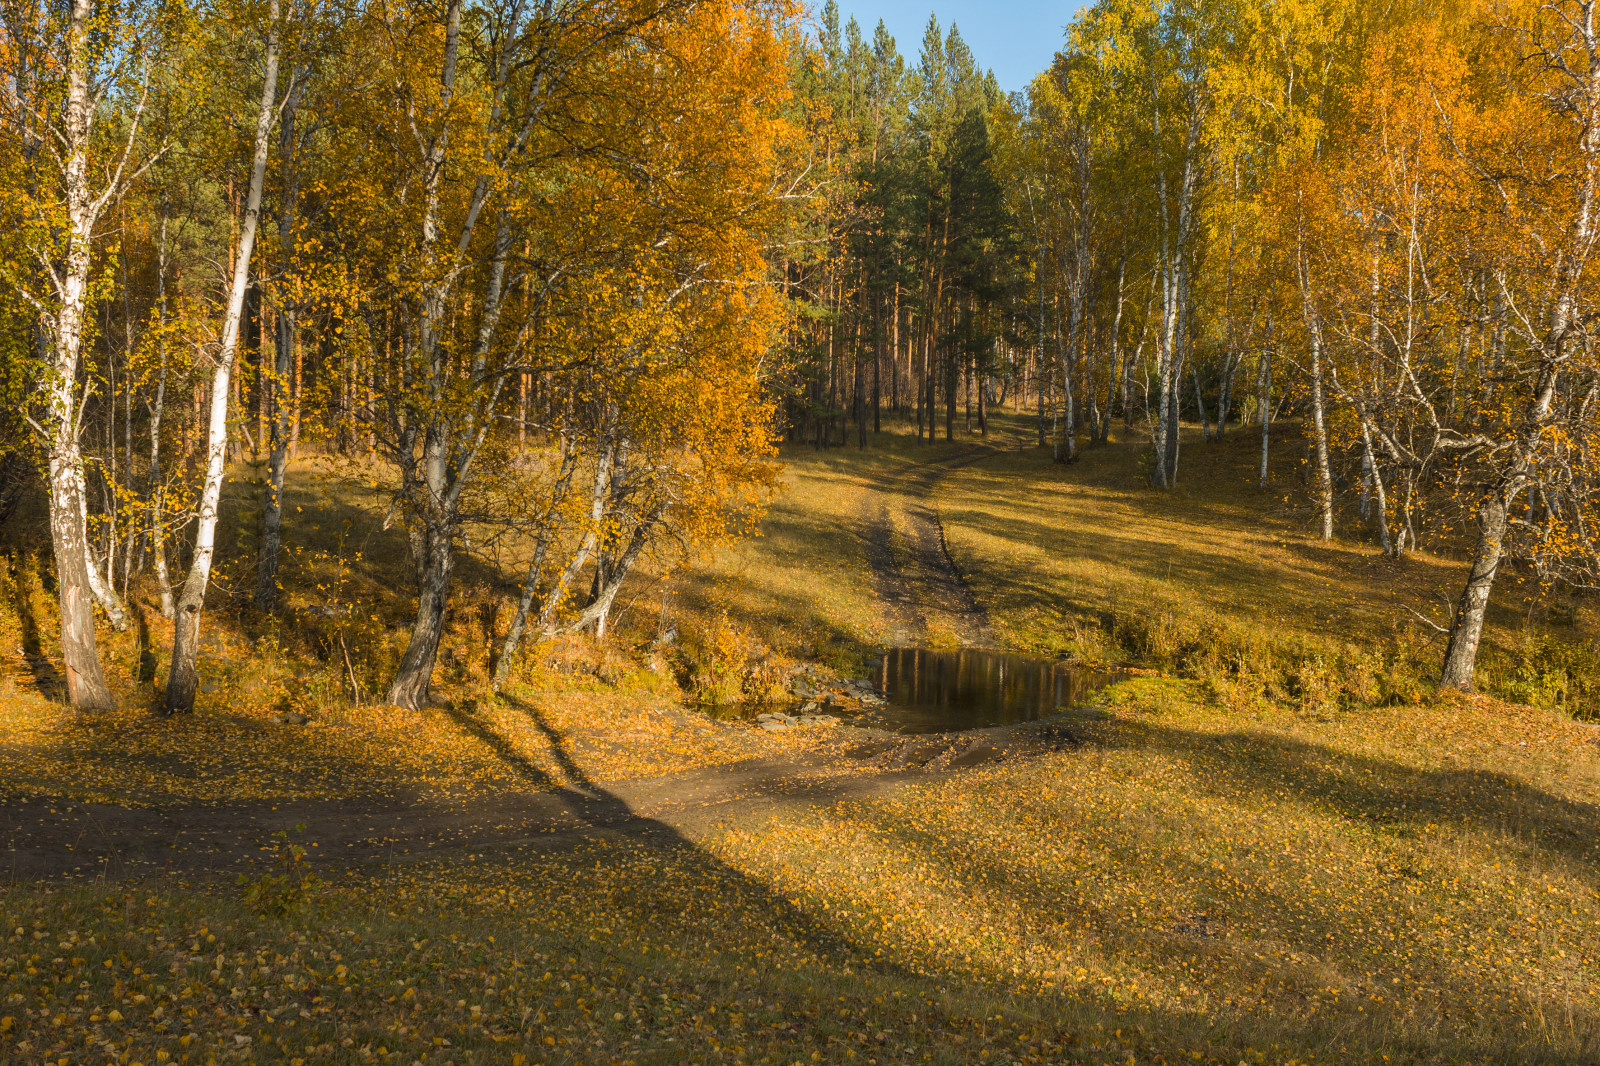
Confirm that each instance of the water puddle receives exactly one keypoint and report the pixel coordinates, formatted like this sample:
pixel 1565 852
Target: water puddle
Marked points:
pixel 972 688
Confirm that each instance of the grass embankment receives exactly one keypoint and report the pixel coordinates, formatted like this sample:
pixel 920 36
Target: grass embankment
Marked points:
pixel 1219 580
pixel 800 590
pixel 330 651
pixel 1216 872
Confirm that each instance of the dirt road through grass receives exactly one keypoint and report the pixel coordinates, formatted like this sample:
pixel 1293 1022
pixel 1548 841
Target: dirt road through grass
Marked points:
pixel 52 838
pixel 923 592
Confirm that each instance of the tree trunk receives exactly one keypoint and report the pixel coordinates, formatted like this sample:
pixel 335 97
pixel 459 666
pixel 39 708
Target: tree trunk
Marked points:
pixel 297 388
pixel 183 680
pixel 859 399
pixel 1200 401
pixel 1117 357
pixel 1264 401
pixel 1069 368
pixel 1375 481
pixel 1166 356
pixel 598 612
pixel 104 594
pixel 877 365
pixel 1320 438
pixel 549 527
pixel 437 565
pixel 894 353
pixel 1461 655
pixel 86 687
pixel 157 408
pixel 1319 428
pixel 277 383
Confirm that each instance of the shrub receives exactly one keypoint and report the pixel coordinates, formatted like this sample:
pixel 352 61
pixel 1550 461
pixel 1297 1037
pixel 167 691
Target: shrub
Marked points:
pixel 279 891
pixel 721 662
pixel 1542 668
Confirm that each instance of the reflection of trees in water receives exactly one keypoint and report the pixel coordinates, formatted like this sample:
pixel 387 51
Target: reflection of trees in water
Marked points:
pixel 981 687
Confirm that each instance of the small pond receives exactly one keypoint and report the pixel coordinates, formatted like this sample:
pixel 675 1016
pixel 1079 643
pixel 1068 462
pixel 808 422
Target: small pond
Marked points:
pixel 974 688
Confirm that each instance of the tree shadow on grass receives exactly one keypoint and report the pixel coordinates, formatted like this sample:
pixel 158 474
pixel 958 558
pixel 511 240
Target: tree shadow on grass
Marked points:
pixel 46 678
pixel 595 808
pixel 1258 927
pixel 1376 792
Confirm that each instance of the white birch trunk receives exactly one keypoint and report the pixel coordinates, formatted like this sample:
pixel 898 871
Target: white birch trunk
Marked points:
pixel 182 681
pixel 86 687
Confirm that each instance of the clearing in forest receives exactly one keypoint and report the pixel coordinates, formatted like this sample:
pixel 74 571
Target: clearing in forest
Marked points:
pixel 1189 870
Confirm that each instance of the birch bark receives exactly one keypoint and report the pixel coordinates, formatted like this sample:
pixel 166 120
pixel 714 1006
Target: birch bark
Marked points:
pixel 86 687
pixel 285 338
pixel 183 680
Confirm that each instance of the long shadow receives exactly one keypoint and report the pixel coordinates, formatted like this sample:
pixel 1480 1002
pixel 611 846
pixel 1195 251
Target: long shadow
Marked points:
pixel 1376 791
pixel 145 672
pixel 1274 770
pixel 46 678
pixel 503 749
pixel 598 808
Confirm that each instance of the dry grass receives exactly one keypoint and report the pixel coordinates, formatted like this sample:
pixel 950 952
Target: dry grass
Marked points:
pixel 620 709
pixel 1232 864
pixel 1407 884
pixel 804 586
pixel 1404 885
pixel 1220 579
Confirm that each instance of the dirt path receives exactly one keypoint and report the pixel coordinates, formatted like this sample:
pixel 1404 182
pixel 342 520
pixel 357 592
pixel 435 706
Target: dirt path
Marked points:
pixel 44 839
pixel 52 840
pixel 922 590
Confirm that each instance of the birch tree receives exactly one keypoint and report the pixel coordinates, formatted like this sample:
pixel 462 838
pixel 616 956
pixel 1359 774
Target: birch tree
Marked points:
pixel 183 677
pixel 73 109
pixel 1543 134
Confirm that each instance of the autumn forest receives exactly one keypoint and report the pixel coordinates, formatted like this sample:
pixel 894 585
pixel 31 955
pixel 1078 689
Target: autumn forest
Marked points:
pixel 648 531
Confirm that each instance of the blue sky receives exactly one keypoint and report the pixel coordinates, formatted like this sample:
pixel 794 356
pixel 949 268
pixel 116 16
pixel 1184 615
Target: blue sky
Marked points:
pixel 1015 38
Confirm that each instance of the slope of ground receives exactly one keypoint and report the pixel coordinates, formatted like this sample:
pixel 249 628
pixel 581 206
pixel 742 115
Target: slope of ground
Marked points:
pixel 1221 579
pixel 1193 871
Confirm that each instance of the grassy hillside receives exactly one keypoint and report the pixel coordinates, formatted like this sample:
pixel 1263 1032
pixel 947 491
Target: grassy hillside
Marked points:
pixel 1220 580
pixel 1239 854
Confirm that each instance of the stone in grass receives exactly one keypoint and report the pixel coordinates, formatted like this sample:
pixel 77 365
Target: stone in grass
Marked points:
pixel 291 718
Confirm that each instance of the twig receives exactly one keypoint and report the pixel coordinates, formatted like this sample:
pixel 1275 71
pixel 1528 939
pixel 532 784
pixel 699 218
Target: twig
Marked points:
pixel 355 687
pixel 1429 622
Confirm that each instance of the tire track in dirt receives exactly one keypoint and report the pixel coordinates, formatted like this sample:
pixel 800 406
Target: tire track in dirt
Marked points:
pixel 916 578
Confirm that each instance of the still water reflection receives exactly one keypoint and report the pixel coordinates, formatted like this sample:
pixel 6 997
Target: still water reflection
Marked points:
pixel 940 691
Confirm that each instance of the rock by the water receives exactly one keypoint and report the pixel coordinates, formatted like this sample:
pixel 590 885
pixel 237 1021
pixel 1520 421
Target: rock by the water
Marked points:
pixel 291 718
